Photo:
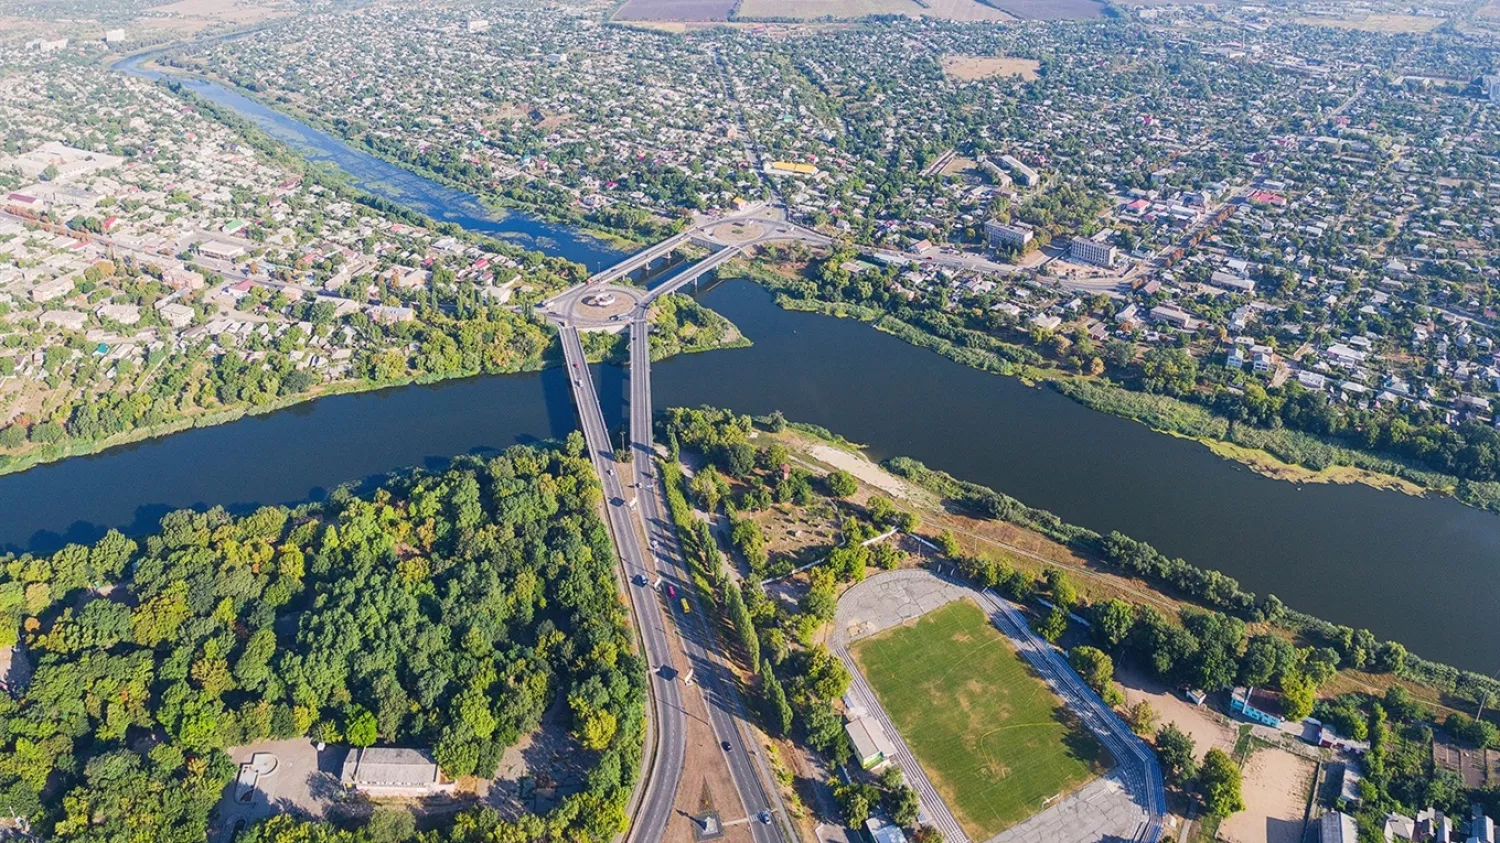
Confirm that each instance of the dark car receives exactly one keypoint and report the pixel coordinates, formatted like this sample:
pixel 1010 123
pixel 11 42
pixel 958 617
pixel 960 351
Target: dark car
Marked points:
pixel 725 745
pixel 639 579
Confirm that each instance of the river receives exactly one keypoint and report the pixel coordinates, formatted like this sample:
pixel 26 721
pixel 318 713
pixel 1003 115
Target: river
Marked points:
pixel 1416 570
pixel 389 181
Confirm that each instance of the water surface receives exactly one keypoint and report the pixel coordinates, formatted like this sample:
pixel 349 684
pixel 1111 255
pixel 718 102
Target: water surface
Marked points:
pixel 1418 570
pixel 1351 554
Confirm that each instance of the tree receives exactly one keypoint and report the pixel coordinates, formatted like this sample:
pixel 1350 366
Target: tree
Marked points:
pixel 1219 784
pixel 709 486
pixel 360 728
pixel 1174 748
pixel 948 544
pixel 1390 657
pixel 1098 670
pixel 739 459
pixel 842 484
pixel 1172 371
pixel 744 627
pixel 856 801
pixel 904 806
pixel 1141 717
pixel 1297 696
pixel 1053 625
pixel 1064 593
pixel 1267 657
pixel 1112 620
pixel 778 710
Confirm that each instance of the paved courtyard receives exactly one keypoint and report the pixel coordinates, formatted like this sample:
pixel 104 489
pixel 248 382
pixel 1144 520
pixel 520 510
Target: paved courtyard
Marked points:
pixel 1102 810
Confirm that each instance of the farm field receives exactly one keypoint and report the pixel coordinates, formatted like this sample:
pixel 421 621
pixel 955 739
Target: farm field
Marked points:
pixel 1052 9
pixel 959 10
pixel 675 10
pixel 1388 24
pixel 994 740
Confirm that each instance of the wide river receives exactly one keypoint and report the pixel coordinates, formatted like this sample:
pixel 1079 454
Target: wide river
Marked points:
pixel 1420 571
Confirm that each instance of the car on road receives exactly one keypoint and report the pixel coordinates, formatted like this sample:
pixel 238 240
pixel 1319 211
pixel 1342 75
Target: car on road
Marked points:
pixel 655 544
pixel 764 817
pixel 725 746
pixel 671 591
pixel 639 579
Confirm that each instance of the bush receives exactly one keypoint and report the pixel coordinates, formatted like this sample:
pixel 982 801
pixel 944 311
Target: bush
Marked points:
pixel 842 484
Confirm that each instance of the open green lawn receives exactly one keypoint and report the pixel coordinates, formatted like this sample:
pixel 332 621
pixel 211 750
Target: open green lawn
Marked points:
pixel 990 734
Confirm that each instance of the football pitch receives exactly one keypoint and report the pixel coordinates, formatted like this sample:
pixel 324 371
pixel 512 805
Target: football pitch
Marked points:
pixel 993 738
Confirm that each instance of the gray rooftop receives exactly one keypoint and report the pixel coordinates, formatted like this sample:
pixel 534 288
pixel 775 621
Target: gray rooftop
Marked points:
pixel 389 767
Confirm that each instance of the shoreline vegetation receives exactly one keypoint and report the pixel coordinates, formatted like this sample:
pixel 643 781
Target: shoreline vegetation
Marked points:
pixel 721 334
pixel 1176 578
pixel 704 329
pixel 348 622
pixel 1280 454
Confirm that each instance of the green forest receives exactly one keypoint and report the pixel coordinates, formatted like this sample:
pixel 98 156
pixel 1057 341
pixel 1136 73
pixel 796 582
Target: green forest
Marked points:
pixel 445 611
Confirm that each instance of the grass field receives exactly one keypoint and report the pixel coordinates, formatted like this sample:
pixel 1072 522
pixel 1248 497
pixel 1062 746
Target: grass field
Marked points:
pixel 969 68
pixel 989 733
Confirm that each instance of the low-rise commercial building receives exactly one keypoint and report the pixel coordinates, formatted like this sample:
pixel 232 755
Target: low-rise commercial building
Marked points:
pixel 393 772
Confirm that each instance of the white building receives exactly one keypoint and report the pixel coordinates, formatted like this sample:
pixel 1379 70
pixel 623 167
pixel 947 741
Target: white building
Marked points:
pixel 1022 173
pixel 1338 827
pixel 871 745
pixel 1009 236
pixel 393 772
pixel 1092 252
pixel 221 250
pixel 52 288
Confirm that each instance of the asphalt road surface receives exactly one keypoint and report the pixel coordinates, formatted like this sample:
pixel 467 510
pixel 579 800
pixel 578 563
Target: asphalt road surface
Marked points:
pixel 667 741
pixel 726 709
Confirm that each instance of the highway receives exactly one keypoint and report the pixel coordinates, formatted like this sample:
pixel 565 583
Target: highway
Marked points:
pixel 642 258
pixel 666 744
pixel 726 709
pixel 648 545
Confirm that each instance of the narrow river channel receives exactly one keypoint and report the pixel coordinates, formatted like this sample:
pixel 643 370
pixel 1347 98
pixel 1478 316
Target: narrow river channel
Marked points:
pixel 1419 571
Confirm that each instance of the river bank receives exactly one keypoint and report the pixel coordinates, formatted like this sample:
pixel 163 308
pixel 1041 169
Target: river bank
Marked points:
pixel 1346 553
pixel 620 239
pixel 996 526
pixel 1280 454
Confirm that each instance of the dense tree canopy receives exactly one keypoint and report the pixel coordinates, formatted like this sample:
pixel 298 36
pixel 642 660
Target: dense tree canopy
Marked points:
pixel 447 610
